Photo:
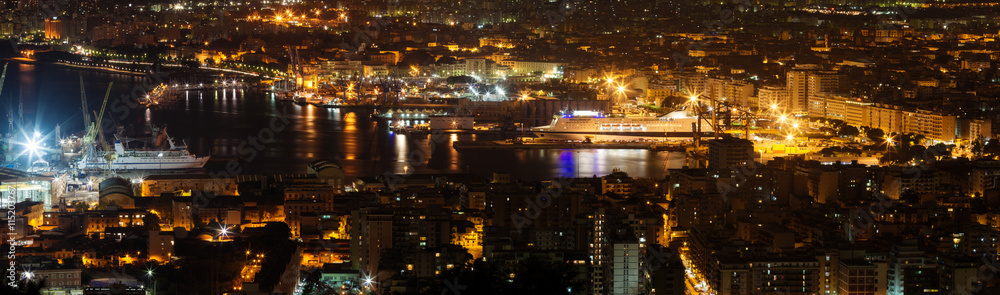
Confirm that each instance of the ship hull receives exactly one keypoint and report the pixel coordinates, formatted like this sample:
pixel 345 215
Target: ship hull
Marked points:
pixel 607 136
pixel 675 125
pixel 147 164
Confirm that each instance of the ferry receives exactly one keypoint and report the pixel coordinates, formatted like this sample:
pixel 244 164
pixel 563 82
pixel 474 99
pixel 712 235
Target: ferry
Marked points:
pixel 594 126
pixel 176 157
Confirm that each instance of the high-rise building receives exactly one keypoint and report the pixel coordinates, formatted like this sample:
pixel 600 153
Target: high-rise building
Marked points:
pixel 796 91
pixel 729 152
pixel 730 90
pixel 627 274
pixel 371 234
pixel 861 277
pixel 55 29
pixel 773 98
pixel 910 271
pixel 666 271
pixel 806 81
pixel 617 255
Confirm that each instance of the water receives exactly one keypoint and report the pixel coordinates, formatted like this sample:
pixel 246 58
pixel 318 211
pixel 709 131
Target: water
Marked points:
pixel 231 125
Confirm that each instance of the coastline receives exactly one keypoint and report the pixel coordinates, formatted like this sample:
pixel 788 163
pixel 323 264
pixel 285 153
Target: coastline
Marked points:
pixel 62 64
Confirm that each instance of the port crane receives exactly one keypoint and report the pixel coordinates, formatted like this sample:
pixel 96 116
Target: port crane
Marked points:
pixel 94 130
pixel 717 108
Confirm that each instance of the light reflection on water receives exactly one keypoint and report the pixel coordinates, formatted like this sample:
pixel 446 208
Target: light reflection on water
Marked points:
pixel 217 122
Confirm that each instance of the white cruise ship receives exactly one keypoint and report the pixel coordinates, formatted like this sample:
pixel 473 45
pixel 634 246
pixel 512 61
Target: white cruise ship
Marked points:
pixel 176 157
pixel 594 126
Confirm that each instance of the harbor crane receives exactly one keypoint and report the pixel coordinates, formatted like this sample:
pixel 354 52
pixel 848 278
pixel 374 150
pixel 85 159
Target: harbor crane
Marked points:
pixel 95 131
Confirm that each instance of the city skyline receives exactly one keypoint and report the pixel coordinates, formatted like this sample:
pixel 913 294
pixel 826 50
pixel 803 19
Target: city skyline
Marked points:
pixel 500 147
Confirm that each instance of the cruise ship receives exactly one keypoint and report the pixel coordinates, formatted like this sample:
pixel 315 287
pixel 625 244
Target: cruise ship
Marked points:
pixel 176 157
pixel 588 125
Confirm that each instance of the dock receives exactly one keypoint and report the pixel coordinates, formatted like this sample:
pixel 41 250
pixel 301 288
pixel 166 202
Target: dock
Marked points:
pixel 653 146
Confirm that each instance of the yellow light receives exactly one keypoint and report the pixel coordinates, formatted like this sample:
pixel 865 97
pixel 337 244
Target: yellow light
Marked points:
pixel 789 137
pixel 774 106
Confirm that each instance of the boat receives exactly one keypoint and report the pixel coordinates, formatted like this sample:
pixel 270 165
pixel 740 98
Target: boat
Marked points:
pixel 174 157
pixel 589 125
pixel 161 94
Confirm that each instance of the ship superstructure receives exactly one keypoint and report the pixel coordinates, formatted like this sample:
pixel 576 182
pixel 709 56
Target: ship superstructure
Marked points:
pixel 596 126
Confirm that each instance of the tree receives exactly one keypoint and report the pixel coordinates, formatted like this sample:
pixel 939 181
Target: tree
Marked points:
pixel 461 80
pixel 978 147
pixel 313 284
pixel 23 287
pixel 877 136
pixel 848 131
pixel 152 221
pixel 937 152
pixel 80 206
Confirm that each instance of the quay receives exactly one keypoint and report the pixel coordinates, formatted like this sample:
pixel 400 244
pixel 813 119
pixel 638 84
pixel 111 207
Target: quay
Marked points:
pixel 459 145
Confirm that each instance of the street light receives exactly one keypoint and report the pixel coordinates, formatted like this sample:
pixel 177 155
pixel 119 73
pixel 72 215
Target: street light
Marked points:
pixel 149 273
pixel 888 143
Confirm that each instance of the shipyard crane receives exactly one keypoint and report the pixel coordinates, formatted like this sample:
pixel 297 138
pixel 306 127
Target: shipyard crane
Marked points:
pixel 95 131
pixel 10 111
pixel 699 111
pixel 727 108
pixel 83 100
pixel 3 76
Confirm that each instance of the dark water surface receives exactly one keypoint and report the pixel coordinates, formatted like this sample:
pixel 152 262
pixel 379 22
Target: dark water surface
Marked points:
pixel 242 125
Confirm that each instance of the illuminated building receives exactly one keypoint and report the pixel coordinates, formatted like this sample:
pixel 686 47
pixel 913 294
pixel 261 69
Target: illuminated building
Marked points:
pixel 55 29
pixel 37 189
pixel 161 245
pixel 58 279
